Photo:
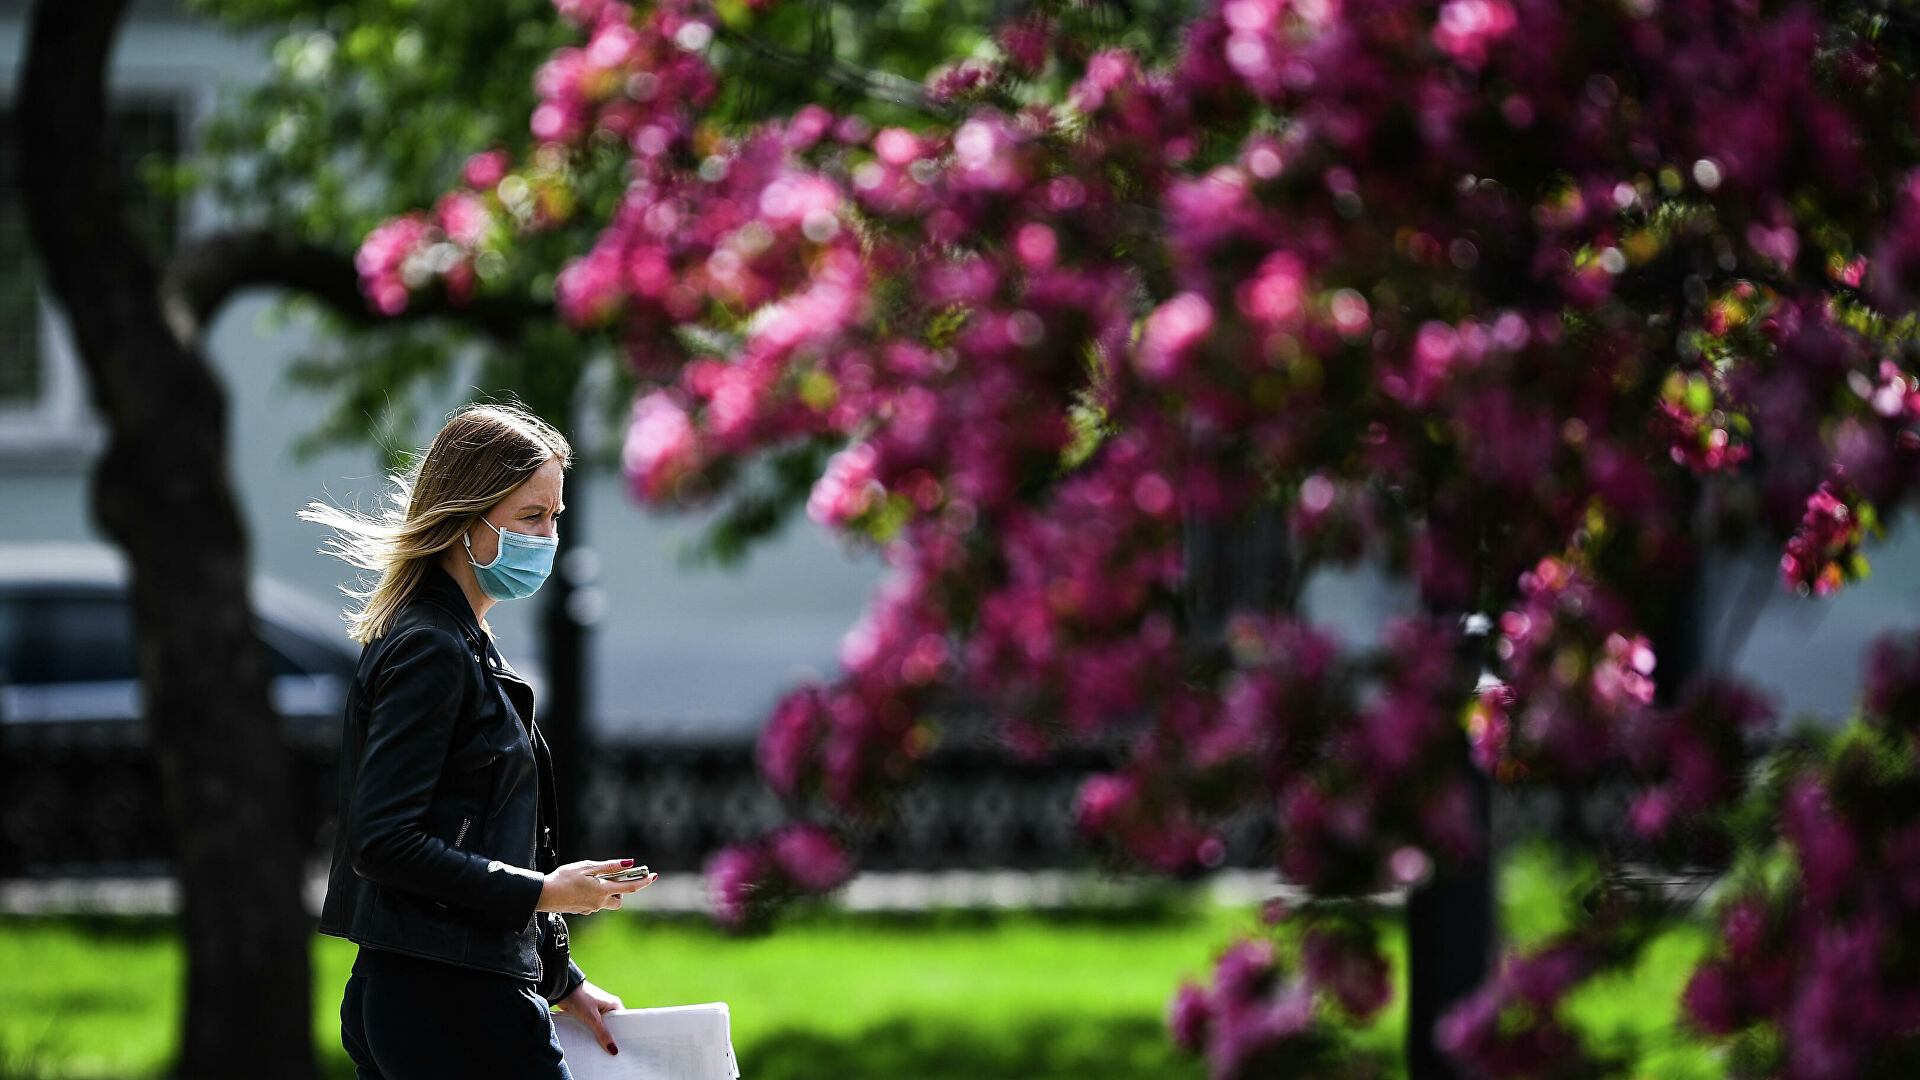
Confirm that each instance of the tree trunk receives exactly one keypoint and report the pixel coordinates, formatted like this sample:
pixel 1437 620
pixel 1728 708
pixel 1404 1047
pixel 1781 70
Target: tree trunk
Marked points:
pixel 161 491
pixel 563 714
pixel 1450 917
pixel 1450 940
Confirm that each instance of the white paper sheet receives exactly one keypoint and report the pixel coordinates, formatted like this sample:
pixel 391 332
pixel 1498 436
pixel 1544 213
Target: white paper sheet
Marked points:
pixel 680 1042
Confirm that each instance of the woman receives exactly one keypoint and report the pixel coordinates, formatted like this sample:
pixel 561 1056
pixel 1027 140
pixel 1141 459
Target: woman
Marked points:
pixel 443 867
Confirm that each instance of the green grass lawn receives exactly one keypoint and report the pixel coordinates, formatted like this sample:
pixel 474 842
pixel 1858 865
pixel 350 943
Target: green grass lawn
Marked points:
pixel 1631 1015
pixel 829 995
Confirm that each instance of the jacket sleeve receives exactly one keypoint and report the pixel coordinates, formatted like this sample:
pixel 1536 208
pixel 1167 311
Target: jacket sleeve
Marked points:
pixel 415 700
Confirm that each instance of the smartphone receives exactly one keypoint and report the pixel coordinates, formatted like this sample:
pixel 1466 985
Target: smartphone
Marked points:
pixel 632 873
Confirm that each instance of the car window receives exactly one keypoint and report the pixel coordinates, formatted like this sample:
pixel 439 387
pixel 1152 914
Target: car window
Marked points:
pixel 293 653
pixel 70 638
pixel 11 637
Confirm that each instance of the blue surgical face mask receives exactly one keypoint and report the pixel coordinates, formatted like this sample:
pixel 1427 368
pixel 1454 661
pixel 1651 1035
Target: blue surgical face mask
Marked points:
pixel 517 571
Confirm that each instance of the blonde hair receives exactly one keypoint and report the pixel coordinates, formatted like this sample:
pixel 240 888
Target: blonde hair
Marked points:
pixel 482 454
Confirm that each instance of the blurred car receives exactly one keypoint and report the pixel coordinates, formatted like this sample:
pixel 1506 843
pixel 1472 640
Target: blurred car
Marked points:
pixel 79 789
pixel 67 647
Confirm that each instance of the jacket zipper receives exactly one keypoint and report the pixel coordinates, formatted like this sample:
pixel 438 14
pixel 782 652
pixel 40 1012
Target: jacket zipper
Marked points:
pixel 465 824
pixel 533 856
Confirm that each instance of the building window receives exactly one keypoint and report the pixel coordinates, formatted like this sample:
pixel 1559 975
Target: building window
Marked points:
pixel 42 397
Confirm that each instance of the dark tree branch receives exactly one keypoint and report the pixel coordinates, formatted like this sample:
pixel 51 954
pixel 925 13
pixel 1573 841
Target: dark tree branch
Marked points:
pixel 212 269
pixel 878 85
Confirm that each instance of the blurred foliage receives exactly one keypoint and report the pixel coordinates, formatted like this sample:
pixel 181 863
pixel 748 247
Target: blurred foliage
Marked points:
pixel 370 108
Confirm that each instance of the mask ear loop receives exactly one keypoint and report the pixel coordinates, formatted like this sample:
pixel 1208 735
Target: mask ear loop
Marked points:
pixel 467 539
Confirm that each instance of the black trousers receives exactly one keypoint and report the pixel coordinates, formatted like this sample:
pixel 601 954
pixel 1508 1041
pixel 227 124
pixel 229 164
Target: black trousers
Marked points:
pixel 408 1018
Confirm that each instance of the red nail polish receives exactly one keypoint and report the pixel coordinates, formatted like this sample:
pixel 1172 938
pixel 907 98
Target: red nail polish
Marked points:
pixel 626 862
pixel 613 1049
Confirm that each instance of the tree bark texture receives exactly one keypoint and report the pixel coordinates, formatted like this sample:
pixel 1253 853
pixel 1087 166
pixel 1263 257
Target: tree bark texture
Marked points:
pixel 162 492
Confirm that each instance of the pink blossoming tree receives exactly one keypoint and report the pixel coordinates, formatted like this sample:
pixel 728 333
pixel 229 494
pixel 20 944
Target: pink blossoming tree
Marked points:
pixel 1532 302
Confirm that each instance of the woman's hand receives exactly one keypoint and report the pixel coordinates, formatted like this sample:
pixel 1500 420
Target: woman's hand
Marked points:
pixel 574 890
pixel 587 1002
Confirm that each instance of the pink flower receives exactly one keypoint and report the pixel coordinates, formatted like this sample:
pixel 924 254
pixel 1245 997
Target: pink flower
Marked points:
pixel 736 885
pixel 1819 557
pixel 804 200
pixel 1489 727
pixel 484 170
pixel 1102 801
pixel 1107 71
pixel 389 243
pixel 985 158
pixel 897 147
pixel 1252 1041
pixel 1246 971
pixel 1026 43
pixel 1711 1000
pixel 1651 813
pixel 1275 295
pixel 1624 674
pixel 1468 28
pixel 1509 1027
pixel 1824 842
pixel 847 489
pixel 1892 690
pixel 383 261
pixel 1542 978
pixel 661 447
pixel 1036 245
pixel 787 742
pixel 960 80
pixel 580 12
pixel 1189 1016
pixel 557 122
pixel 1172 334
pixel 613 45
pixel 810 857
pixel 1780 245
pixel 464 216
pixel 589 291
pixel 1353 970
pixel 1895 263
pixel 1744 928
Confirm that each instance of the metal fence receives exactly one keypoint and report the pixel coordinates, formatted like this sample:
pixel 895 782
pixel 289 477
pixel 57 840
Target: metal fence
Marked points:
pixel 972 808
pixel 83 799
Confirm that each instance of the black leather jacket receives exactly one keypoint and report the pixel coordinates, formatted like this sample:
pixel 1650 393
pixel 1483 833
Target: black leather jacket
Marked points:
pixel 446 800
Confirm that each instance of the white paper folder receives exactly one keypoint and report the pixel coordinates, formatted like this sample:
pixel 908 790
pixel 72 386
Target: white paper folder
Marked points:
pixel 680 1042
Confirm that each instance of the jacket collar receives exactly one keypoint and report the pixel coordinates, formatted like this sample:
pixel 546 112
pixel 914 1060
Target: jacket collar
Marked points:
pixel 437 587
